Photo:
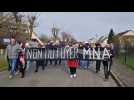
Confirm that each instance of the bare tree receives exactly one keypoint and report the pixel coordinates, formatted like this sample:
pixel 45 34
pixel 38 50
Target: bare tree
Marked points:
pixel 32 23
pixel 18 21
pixel 2 18
pixel 12 24
pixel 5 22
pixel 67 37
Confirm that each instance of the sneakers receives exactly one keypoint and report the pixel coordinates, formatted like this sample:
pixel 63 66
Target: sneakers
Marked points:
pixel 73 76
pixel 36 71
pixel 10 76
pixel 17 73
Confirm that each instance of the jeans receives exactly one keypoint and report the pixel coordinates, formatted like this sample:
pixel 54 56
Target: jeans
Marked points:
pixel 13 63
pixel 83 63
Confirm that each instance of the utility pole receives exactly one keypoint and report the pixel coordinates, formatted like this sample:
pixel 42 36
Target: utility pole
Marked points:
pixel 55 32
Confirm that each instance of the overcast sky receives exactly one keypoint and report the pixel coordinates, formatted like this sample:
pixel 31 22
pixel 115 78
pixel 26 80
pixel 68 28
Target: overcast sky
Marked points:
pixel 84 25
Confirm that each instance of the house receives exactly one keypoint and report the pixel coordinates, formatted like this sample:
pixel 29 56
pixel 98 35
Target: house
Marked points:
pixel 104 41
pixel 126 37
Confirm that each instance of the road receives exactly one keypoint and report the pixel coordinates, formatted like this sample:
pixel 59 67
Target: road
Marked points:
pixel 57 76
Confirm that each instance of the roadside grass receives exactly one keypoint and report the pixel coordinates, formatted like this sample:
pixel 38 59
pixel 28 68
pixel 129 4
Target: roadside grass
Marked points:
pixel 3 63
pixel 129 60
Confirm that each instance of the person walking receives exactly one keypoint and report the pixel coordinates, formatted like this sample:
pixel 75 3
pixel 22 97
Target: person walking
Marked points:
pixel 87 62
pixel 98 62
pixel 21 60
pixel 40 62
pixel 107 63
pixel 12 51
pixel 49 46
pixel 80 55
pixel 112 53
pixel 72 64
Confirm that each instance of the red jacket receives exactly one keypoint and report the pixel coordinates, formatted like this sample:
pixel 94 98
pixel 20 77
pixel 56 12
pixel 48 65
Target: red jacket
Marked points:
pixel 72 63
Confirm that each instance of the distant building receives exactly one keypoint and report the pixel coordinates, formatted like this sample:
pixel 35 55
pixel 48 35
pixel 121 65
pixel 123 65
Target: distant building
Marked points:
pixel 34 36
pixel 126 37
pixel 104 41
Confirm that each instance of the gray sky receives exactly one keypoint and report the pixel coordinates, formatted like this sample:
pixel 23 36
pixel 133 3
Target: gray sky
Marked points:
pixel 84 25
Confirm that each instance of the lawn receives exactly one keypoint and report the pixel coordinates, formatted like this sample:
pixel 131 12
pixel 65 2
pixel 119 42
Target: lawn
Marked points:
pixel 3 63
pixel 129 60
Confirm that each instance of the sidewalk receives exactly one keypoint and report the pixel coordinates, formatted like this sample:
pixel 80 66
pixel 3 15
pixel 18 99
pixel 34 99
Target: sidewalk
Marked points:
pixel 124 73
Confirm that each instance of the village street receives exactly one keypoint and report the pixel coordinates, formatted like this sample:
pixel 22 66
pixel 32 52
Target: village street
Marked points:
pixel 57 76
pixel 73 38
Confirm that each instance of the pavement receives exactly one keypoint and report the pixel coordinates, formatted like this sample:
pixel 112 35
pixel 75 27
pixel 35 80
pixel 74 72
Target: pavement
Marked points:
pixel 124 74
pixel 57 76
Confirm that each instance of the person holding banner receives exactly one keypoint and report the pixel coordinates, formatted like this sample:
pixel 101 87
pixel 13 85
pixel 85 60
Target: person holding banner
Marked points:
pixel 87 62
pixel 55 47
pixel 40 62
pixel 107 64
pixel 49 46
pixel 98 62
pixel 80 55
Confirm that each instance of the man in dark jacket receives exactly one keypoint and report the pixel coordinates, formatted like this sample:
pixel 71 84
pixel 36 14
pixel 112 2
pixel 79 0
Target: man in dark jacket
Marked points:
pixel 48 47
pixel 40 62
pixel 108 63
pixel 57 46
pixel 98 62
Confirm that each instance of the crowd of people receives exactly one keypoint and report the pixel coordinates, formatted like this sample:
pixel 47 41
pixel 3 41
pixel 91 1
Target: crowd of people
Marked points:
pixel 15 54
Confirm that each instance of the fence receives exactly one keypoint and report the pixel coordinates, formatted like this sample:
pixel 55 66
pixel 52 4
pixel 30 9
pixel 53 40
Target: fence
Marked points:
pixel 125 55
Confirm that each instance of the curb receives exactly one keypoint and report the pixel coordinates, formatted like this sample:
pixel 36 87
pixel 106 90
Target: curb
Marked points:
pixel 117 80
